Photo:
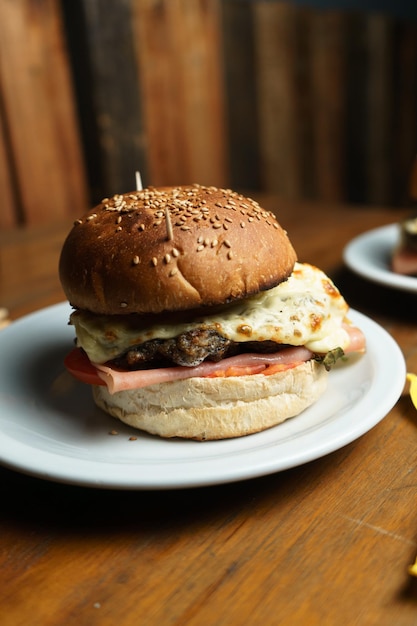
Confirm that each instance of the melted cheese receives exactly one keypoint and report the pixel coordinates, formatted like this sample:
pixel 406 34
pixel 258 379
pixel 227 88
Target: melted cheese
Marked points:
pixel 305 310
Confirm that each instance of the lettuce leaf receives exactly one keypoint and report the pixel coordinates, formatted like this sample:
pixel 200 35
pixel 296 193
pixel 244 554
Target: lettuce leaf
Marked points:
pixel 329 359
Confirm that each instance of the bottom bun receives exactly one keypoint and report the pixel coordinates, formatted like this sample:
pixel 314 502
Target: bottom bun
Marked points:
pixel 216 408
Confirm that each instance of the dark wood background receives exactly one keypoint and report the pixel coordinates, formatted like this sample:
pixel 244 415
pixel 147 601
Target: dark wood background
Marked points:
pixel 264 96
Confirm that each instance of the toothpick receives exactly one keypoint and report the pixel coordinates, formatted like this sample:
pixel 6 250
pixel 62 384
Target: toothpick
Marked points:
pixel 139 186
pixel 170 232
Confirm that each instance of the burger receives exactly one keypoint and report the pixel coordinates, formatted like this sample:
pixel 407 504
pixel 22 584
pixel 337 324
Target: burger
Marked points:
pixel 193 317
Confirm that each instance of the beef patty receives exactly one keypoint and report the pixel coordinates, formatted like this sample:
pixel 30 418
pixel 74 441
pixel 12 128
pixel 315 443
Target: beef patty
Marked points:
pixel 188 349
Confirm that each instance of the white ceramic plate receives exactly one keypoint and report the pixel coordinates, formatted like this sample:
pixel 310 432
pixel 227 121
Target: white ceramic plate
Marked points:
pixel 50 427
pixel 369 256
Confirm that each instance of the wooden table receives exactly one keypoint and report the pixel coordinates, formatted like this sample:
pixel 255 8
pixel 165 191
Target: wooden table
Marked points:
pixel 325 543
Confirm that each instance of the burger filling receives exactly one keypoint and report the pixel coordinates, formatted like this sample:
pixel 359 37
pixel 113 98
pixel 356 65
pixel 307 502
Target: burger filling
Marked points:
pixel 305 310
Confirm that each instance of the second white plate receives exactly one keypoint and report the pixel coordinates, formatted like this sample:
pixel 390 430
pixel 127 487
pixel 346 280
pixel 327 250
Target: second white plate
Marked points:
pixel 369 256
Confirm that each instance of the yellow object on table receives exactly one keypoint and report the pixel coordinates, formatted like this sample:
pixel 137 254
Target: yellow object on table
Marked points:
pixel 412 378
pixel 412 569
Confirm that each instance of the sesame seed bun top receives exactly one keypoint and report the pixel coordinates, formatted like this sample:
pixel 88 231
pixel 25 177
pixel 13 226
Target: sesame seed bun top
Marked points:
pixel 172 249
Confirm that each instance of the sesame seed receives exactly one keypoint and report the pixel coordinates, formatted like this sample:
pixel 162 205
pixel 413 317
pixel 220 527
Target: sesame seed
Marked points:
pixel 175 252
pixel 217 225
pixel 167 258
pixel 214 243
pixel 200 248
pixel 118 229
pixel 78 222
pixel 154 261
pixel 227 243
pixel 123 305
pixel 141 227
pixel 230 255
pixel 119 219
pixel 242 224
pixel 135 260
pixel 173 271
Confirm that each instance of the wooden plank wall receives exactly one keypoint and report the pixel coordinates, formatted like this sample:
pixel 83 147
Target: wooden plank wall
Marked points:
pixel 178 46
pixel 41 162
pixel 261 95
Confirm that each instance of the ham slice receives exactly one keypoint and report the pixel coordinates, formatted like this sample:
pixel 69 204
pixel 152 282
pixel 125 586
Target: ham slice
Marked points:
pixel 357 341
pixel 117 380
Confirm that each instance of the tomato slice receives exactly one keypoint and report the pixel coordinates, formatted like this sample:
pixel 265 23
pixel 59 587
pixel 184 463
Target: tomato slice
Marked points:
pixel 246 370
pixel 249 370
pixel 280 367
pixel 79 365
